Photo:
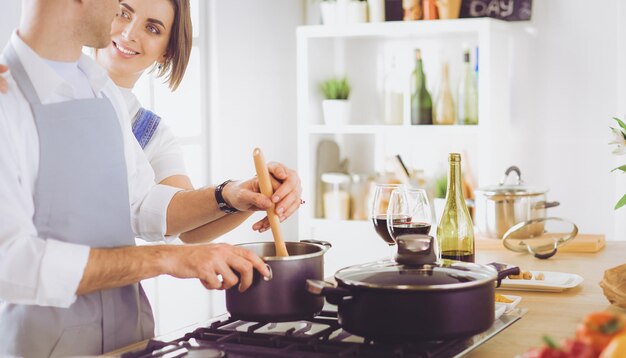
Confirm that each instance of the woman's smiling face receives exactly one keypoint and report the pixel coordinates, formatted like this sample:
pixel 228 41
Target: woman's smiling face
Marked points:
pixel 139 37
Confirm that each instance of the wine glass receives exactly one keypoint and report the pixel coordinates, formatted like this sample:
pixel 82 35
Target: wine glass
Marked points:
pixel 382 193
pixel 408 212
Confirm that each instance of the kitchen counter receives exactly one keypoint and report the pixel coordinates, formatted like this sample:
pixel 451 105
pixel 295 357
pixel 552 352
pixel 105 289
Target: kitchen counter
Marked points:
pixel 553 313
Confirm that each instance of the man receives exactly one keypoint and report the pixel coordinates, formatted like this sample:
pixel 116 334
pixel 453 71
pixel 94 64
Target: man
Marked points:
pixel 69 167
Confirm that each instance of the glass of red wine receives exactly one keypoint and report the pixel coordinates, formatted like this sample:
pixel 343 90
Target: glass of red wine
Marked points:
pixel 382 194
pixel 408 212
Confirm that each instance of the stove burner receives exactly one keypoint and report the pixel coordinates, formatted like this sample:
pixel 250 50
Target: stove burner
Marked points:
pixel 318 337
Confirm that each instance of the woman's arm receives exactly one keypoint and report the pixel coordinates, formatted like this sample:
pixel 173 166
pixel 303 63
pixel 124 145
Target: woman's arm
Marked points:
pixel 212 230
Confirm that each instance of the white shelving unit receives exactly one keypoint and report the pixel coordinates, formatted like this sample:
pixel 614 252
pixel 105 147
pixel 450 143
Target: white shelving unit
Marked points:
pixel 362 52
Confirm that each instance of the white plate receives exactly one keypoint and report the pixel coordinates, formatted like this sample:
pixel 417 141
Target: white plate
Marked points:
pixel 553 282
pixel 502 307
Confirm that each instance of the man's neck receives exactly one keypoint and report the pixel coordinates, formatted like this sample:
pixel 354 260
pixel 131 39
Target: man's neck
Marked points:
pixel 50 41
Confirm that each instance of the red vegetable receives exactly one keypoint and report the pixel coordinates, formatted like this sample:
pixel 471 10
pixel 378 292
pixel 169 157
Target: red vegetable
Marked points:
pixel 571 348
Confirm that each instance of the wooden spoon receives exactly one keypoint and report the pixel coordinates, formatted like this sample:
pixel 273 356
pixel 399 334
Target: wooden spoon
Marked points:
pixel 265 185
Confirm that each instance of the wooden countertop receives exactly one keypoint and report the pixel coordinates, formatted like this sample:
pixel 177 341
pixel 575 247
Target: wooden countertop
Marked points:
pixel 553 313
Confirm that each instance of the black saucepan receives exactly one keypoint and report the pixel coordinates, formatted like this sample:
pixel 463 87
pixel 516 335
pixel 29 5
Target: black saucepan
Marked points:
pixel 416 297
pixel 284 297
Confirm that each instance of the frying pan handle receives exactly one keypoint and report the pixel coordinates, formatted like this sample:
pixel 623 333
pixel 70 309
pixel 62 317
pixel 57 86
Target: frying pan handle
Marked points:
pixel 334 295
pixel 504 270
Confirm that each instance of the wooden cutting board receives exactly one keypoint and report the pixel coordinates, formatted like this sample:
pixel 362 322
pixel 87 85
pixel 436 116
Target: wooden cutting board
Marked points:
pixel 581 243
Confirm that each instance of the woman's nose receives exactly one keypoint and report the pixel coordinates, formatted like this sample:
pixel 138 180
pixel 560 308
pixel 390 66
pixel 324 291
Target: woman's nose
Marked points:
pixel 129 32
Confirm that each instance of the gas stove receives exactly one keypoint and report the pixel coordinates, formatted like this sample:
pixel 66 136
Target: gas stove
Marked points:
pixel 321 336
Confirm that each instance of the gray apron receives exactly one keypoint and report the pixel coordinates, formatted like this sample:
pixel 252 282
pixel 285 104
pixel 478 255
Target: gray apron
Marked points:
pixel 81 196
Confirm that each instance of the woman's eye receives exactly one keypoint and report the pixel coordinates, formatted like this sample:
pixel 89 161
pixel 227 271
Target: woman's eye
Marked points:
pixel 125 15
pixel 153 29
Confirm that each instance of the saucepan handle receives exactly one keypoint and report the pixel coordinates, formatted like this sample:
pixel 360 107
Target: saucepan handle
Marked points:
pixel 504 270
pixel 334 295
pixel 546 204
pixel 318 242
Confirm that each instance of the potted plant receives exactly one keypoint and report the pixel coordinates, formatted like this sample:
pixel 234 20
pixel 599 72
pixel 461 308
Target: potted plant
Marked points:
pixel 335 106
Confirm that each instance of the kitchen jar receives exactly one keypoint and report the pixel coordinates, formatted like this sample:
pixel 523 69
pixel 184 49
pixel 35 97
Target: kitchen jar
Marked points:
pixel 501 206
pixel 360 196
pixel 336 196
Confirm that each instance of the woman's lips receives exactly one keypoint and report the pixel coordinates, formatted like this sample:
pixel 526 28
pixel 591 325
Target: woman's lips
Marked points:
pixel 124 51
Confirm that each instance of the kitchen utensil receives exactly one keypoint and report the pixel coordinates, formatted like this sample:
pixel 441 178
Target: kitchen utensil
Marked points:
pixel 265 185
pixel 416 297
pixel 585 243
pixel 542 246
pixel 284 297
pixel 501 206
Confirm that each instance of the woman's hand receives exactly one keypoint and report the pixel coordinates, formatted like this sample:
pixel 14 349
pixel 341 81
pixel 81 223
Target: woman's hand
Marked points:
pixel 4 86
pixel 246 196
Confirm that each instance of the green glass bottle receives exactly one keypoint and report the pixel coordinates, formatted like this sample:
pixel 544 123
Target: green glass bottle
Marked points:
pixel 468 94
pixel 455 232
pixel 421 103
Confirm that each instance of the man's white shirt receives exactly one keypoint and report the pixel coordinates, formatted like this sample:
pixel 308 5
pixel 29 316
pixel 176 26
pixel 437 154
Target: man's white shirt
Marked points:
pixel 42 270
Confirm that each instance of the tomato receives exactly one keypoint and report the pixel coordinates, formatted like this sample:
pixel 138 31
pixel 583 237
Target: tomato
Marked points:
pixel 598 328
pixel 571 348
pixel 615 349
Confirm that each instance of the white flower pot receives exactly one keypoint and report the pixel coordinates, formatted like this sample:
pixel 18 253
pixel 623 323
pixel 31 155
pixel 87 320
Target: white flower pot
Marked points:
pixel 336 112
pixel 342 11
pixel 329 12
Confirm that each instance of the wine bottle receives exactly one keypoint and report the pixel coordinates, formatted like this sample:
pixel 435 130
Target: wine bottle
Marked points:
pixel 393 105
pixel 445 112
pixel 455 232
pixel 421 103
pixel 468 93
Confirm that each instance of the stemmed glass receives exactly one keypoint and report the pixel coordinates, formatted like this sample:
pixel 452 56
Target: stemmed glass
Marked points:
pixel 382 194
pixel 408 212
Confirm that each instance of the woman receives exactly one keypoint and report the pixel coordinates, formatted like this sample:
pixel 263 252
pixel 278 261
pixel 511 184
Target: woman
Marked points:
pixel 157 35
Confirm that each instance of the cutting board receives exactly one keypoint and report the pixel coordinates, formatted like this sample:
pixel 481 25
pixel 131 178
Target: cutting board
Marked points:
pixel 581 243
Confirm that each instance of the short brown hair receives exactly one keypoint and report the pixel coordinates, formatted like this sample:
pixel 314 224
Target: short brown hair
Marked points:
pixel 179 46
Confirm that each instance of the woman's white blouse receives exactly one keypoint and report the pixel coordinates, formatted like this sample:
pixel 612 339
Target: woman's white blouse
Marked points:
pixel 163 150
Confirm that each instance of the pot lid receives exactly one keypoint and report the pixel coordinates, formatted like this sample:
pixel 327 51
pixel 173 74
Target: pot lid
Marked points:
pixel 552 233
pixel 440 275
pixel 517 189
pixel 416 269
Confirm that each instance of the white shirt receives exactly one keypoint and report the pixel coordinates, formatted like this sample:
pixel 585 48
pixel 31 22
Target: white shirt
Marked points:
pixel 41 270
pixel 163 150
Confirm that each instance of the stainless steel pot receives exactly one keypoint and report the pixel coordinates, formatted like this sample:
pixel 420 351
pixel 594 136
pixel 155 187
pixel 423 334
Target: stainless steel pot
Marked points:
pixel 501 206
pixel 284 297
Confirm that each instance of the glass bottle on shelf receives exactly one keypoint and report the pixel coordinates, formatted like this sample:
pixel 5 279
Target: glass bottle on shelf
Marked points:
pixel 421 102
pixel 445 112
pixel 393 95
pixel 455 232
pixel 429 9
pixel 412 10
pixel 468 93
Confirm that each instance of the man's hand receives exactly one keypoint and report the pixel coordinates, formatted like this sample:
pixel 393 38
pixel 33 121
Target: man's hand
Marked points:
pixel 4 86
pixel 206 262
pixel 246 196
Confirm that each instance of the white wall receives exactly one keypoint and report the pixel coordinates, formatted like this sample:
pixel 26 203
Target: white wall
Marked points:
pixel 565 90
pixel 253 45
pixel 9 19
